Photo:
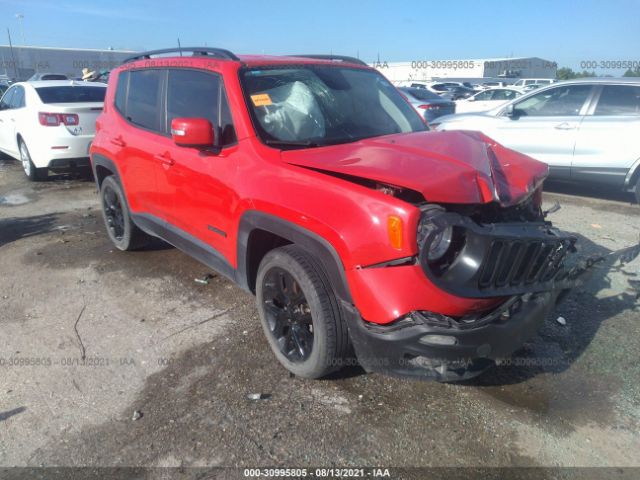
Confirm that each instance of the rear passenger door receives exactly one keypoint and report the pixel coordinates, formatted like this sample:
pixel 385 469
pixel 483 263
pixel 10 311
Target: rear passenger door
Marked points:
pixel 608 142
pixel 139 137
pixel 202 182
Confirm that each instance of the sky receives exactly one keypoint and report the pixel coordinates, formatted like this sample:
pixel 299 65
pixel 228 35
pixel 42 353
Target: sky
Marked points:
pixel 566 31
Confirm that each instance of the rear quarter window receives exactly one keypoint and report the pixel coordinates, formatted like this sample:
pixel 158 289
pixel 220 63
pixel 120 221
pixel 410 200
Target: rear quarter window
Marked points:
pixel 71 94
pixel 121 92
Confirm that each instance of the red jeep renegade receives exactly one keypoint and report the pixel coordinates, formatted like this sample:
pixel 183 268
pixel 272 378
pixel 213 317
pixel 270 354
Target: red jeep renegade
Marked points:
pixel 311 182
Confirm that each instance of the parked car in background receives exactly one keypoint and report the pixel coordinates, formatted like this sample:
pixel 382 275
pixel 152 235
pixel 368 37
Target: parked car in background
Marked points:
pixel 485 85
pixel 486 100
pixel 49 124
pixel 456 92
pixel 3 88
pixel 37 77
pixel 428 104
pixel 530 82
pixel 586 130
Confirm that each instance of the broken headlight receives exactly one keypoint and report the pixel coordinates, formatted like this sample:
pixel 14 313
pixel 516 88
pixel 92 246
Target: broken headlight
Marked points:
pixel 439 243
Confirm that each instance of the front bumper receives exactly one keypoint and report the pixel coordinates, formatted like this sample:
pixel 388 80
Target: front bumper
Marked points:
pixel 402 349
pixel 475 341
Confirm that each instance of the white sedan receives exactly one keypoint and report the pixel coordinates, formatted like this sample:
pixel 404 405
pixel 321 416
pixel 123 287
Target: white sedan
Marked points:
pixel 50 124
pixel 487 99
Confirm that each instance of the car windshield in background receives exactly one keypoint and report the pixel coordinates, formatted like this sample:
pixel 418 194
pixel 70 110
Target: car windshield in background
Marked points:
pixel 71 94
pixel 315 105
pixel 421 93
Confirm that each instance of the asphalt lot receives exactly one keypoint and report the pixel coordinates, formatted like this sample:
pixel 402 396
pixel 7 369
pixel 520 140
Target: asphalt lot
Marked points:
pixel 186 355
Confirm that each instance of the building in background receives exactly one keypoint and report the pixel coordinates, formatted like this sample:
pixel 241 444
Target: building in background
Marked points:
pixel 19 63
pixel 505 68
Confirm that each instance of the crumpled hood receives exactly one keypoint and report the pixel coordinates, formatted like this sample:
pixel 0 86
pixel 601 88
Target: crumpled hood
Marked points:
pixel 446 167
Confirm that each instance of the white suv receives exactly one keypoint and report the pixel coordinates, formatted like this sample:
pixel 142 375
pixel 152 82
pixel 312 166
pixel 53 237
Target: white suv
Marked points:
pixel 586 130
pixel 50 124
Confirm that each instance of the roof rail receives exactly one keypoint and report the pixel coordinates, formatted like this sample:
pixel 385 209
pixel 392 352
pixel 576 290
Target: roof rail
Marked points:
pixel 219 53
pixel 340 58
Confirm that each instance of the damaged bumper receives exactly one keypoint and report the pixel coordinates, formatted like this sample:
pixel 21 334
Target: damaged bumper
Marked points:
pixel 523 264
pixel 441 348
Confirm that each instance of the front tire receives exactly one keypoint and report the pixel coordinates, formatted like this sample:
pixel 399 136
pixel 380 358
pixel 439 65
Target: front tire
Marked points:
pixel 300 314
pixel 124 234
pixel 34 174
pixel 638 190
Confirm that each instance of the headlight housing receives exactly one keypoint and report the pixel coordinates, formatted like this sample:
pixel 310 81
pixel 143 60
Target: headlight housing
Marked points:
pixel 438 242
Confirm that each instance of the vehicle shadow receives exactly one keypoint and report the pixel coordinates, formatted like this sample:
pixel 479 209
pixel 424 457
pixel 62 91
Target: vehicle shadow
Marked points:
pixel 12 229
pixel 81 174
pixel 588 190
pixel 560 343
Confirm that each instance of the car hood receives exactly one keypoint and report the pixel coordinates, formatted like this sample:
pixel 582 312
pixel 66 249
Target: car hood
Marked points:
pixel 445 167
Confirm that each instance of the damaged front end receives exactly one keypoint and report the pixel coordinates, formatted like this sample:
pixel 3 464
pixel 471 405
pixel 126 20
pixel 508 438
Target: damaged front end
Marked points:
pixel 513 255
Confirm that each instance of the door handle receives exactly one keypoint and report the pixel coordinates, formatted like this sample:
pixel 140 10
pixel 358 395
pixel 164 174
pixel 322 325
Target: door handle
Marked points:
pixel 565 126
pixel 165 159
pixel 118 141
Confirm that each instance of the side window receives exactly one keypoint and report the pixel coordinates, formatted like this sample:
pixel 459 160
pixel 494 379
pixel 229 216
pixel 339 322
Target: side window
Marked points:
pixel 121 92
pixel 143 99
pixel 198 94
pixel 18 98
pixel 503 95
pixel 554 102
pixel 5 104
pixel 484 95
pixel 618 100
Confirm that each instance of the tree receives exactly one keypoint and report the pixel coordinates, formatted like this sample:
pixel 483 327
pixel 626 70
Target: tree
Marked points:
pixel 565 73
pixel 632 73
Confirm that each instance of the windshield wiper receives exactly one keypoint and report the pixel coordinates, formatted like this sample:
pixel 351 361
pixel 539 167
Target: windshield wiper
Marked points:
pixel 291 143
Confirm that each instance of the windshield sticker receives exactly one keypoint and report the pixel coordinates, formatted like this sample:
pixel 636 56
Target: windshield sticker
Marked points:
pixel 261 99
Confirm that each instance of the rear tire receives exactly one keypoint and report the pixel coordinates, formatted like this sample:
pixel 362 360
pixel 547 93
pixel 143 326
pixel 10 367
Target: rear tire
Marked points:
pixel 124 234
pixel 300 314
pixel 34 174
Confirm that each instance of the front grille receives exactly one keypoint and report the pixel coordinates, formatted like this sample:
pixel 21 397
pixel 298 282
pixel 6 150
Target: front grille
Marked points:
pixel 512 263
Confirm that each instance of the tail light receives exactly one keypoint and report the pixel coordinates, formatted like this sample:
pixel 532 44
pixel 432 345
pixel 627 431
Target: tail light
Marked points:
pixel 55 119
pixel 428 106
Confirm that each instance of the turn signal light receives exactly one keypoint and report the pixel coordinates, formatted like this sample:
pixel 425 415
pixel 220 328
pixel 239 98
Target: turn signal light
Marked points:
pixel 394 227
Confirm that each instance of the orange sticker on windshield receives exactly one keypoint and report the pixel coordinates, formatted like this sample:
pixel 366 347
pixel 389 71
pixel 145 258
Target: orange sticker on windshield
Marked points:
pixel 261 99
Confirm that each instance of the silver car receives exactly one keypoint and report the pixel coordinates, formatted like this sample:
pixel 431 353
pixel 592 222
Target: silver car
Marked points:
pixel 586 130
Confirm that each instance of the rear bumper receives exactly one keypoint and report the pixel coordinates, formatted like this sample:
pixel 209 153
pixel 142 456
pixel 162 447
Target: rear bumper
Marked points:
pixel 402 349
pixel 43 153
pixel 66 163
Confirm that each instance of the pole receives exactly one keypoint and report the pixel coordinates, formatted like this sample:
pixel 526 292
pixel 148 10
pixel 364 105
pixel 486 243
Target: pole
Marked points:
pixel 4 63
pixel 20 18
pixel 13 58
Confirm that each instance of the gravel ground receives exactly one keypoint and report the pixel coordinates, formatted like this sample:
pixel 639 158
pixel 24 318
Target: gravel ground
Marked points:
pixel 184 356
